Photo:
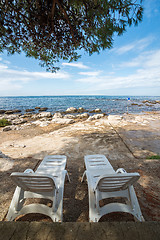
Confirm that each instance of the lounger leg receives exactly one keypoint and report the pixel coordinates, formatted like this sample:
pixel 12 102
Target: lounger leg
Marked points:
pixel 94 215
pixel 57 209
pixel 16 204
pixel 84 174
pixel 135 205
pixel 68 177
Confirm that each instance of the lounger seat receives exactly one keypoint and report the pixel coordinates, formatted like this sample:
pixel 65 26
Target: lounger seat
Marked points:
pixel 47 183
pixel 104 183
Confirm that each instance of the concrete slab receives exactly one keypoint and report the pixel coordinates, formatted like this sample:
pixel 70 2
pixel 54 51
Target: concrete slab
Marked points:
pixel 79 231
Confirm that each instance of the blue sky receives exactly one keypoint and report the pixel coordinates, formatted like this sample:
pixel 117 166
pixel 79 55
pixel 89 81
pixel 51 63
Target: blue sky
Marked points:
pixel 131 67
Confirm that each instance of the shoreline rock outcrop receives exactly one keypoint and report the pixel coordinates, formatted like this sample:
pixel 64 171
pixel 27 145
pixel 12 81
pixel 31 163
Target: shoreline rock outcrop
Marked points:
pixel 44 118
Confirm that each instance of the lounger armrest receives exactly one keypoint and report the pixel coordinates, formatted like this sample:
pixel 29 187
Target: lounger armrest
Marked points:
pixel 121 170
pixel 28 170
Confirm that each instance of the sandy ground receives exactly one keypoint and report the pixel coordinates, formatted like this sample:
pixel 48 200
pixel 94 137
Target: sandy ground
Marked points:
pixel 126 141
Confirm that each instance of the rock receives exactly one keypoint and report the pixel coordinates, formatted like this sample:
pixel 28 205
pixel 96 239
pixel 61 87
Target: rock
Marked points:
pixel 27 124
pixel 83 115
pixel 34 116
pixel 148 101
pixel 7 128
pixel 45 119
pixel 27 115
pixel 11 117
pixel 95 117
pixel 30 110
pixel 44 114
pixel 9 112
pixel 15 127
pixel 69 116
pixel 37 107
pixel 134 103
pixel 57 115
pixel 97 110
pixel 139 119
pixel 81 110
pixel 71 110
pixel 114 118
pixel 18 121
pixel 16 111
pixel 38 122
pixel 44 124
pixel 62 121
pixel 2 111
pixel 41 123
pixel 43 109
pixel 98 116
pixel 90 118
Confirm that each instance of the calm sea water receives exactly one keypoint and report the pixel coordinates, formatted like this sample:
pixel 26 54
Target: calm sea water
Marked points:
pixel 108 104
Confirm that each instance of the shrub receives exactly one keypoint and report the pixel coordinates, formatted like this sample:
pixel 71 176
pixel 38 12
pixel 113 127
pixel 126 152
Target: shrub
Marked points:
pixel 154 157
pixel 4 122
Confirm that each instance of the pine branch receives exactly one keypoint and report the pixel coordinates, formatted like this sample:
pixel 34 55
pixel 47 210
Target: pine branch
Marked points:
pixel 68 21
pixel 52 13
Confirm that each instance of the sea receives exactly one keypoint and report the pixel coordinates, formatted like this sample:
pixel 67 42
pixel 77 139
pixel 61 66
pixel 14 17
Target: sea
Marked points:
pixel 108 104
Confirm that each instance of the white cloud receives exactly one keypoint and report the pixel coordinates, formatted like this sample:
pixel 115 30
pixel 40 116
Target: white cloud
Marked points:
pixel 92 74
pixel 145 59
pixel 138 45
pixel 3 66
pixel 147 75
pixel 12 74
pixel 137 61
pixel 153 60
pixel 151 8
pixel 77 65
pixel 11 79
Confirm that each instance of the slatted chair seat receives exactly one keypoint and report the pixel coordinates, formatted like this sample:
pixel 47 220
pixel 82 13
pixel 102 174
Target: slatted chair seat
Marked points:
pixel 47 183
pixel 105 183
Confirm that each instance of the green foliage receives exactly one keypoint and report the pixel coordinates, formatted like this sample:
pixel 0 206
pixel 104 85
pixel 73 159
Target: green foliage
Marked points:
pixel 4 122
pixel 50 30
pixel 154 157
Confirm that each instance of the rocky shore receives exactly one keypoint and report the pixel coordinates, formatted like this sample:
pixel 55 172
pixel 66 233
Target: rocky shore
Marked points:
pixel 126 140
pixel 43 118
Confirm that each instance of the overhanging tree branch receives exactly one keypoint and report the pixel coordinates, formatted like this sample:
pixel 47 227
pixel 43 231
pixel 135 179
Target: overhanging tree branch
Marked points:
pixel 52 14
pixel 50 30
pixel 67 18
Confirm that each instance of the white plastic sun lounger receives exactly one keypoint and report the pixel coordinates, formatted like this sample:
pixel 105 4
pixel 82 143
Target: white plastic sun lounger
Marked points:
pixel 47 183
pixel 104 182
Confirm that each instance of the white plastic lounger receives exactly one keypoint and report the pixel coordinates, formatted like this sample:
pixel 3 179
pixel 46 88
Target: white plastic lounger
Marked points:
pixel 105 183
pixel 52 164
pixel 97 162
pixel 47 183
pixel 54 161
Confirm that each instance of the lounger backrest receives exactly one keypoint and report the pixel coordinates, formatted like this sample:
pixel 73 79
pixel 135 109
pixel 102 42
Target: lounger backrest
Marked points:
pixel 33 182
pixel 54 161
pixel 116 182
pixel 97 162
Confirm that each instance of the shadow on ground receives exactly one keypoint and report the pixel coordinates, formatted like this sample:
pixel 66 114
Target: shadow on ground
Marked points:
pixel 76 193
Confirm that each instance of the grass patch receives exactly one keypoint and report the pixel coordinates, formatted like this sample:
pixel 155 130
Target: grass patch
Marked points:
pixel 4 122
pixel 154 157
